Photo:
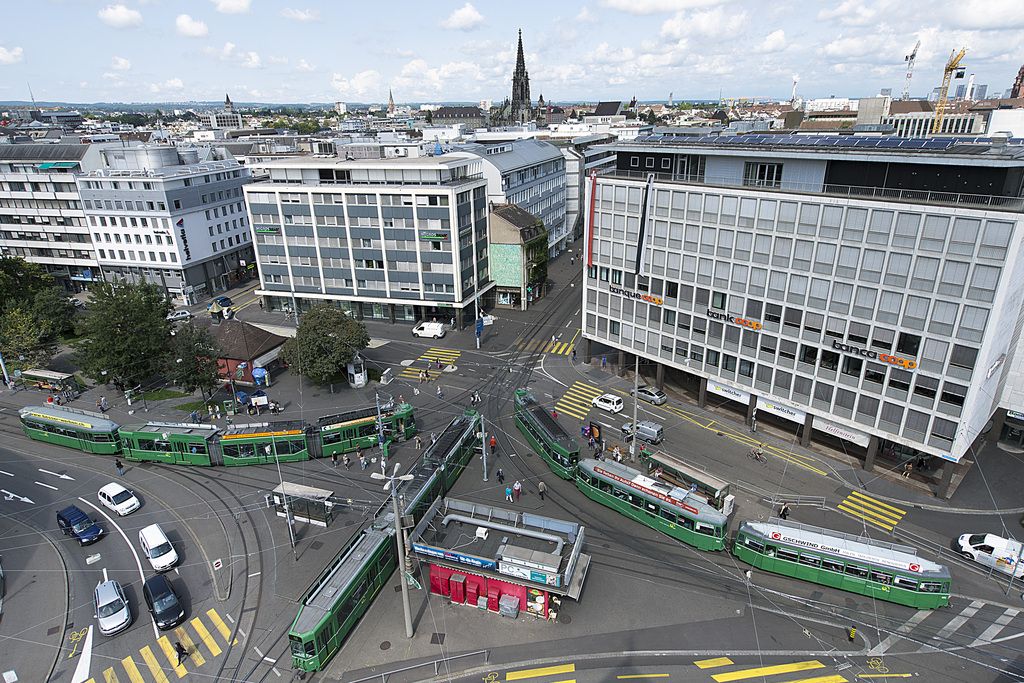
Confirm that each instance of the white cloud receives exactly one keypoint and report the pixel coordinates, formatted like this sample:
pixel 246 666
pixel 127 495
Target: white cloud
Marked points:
pixel 119 16
pixel 713 22
pixel 303 65
pixel 120 64
pixel 192 28
pixel 773 42
pixel 585 16
pixel 251 60
pixel 232 6
pixel 990 14
pixel 11 55
pixel 363 85
pixel 230 53
pixel 275 59
pixel 657 6
pixel 850 12
pixel 171 84
pixel 300 14
pixel 466 18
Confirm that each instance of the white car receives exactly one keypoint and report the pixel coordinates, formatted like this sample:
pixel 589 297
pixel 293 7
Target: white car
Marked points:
pixel 425 329
pixel 119 499
pixel 157 548
pixel 609 402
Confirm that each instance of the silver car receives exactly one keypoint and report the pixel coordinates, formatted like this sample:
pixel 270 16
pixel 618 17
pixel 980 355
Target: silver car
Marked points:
pixel 113 612
pixel 651 395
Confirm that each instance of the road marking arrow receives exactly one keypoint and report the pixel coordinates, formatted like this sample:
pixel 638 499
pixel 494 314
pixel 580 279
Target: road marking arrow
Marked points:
pixel 12 496
pixel 54 488
pixel 59 476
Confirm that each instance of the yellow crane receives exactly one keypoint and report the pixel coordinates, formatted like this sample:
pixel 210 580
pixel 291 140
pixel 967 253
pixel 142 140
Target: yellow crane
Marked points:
pixel 952 70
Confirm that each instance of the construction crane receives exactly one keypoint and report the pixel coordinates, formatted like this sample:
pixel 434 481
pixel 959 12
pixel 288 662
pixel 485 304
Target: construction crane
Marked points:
pixel 909 59
pixel 952 70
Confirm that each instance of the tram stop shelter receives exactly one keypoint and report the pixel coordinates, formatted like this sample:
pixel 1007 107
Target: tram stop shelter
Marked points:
pixel 503 561
pixel 306 503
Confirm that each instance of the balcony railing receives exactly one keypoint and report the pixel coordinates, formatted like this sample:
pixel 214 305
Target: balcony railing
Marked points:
pixel 987 201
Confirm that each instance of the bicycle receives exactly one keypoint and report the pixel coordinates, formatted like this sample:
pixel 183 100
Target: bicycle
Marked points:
pixel 757 454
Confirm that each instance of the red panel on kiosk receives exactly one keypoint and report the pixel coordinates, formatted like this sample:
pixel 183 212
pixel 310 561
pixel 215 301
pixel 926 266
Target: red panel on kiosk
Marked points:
pixel 493 593
pixel 437 581
pixel 457 582
pixel 472 592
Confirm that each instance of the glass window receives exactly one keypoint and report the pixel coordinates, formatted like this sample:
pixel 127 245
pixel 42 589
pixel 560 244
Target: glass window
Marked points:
pixel 856 570
pixel 832 565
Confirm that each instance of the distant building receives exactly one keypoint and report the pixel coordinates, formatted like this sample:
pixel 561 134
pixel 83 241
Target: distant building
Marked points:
pixel 391 103
pixel 1018 85
pixel 340 108
pixel 470 117
pixel 518 248
pixel 518 109
pixel 980 92
pixel 583 154
pixel 226 118
pixel 606 112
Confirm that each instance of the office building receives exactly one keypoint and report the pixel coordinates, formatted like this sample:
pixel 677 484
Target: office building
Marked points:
pixel 529 174
pixel 519 254
pixel 41 215
pixel 166 216
pixel 393 239
pixel 860 291
pixel 226 118
pixel 583 155
pixel 340 108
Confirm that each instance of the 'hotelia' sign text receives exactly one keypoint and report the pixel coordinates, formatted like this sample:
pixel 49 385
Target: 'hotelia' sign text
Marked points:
pixel 742 322
pixel 904 363
pixel 641 296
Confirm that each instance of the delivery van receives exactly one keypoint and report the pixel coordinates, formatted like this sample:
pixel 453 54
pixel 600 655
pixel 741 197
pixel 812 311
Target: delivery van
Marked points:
pixel 996 552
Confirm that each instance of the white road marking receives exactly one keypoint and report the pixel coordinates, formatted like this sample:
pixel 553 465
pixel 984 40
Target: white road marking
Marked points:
pixel 998 625
pixel 230 618
pixel 254 574
pixel 105 578
pixel 138 562
pixel 59 476
pixel 84 660
pixel 258 651
pixel 11 496
pixel 956 622
pixel 7 473
pixel 242 632
pixel 268 659
pixel 276 672
pixel 905 628
pixel 47 485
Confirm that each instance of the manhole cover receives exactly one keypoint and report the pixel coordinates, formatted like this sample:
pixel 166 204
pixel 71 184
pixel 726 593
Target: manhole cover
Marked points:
pixel 385 645
pixel 51 631
pixel 437 639
pixel 316 545
pixel 564 619
pixel 398 588
pixel 529 454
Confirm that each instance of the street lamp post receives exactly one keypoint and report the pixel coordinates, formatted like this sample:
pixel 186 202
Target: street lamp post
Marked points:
pixel 636 406
pixel 284 496
pixel 391 482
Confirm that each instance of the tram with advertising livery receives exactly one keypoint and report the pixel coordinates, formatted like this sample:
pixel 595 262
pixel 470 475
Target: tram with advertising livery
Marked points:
pixel 559 449
pixel 886 571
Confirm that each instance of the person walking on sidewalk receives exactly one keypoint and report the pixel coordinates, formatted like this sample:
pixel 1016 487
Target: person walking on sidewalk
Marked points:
pixel 494 444
pixel 508 494
pixel 104 406
pixel 517 490
pixel 542 488
pixel 362 461
pixel 346 461
pixel 784 511
pixel 500 474
pixel 260 301
pixel 908 468
pixel 120 467
pixel 180 650
pixel 334 460
pixel 440 394
pixel 418 441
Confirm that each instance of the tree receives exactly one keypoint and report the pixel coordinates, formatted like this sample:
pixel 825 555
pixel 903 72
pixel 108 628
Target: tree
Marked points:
pixel 22 337
pixel 192 362
pixel 20 280
pixel 127 333
pixel 325 342
pixel 651 117
pixel 53 311
pixel 430 117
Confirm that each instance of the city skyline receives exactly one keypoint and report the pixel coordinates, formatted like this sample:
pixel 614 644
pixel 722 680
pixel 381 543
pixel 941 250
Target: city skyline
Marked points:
pixel 464 51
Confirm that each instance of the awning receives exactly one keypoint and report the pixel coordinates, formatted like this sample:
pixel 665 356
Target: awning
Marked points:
pixel 57 164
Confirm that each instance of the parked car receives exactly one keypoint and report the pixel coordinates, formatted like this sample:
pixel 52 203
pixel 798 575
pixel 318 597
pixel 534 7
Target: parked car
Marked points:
pixel 77 303
pixel 157 548
pixel 646 430
pixel 425 329
pixel 609 402
pixel 113 612
pixel 75 523
pixel 163 603
pixel 992 551
pixel 651 395
pixel 119 499
pixel 179 314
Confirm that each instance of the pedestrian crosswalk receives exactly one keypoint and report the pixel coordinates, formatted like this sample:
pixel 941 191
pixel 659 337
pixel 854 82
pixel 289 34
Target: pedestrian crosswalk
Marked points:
pixel 159 663
pixel 871 510
pixel 976 624
pixel 557 348
pixel 429 360
pixel 767 672
pixel 577 400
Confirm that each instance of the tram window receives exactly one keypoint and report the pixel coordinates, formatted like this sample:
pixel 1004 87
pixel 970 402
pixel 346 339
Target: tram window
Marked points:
pixel 310 648
pixel 104 438
pixel 786 554
pixel 163 446
pixel 832 565
pixel 904 582
pixel 367 430
pixel 288 446
pixel 331 437
pixel 605 486
pixel 931 588
pixel 854 570
pixel 770 550
pixel 668 515
pixel 321 640
pixel 810 560
pixel 230 451
pixel 634 500
pixel 687 523
pixel 197 447
pixel 296 646
pixel 881 577
pixel 651 507
pixel 145 444
pixel 705 529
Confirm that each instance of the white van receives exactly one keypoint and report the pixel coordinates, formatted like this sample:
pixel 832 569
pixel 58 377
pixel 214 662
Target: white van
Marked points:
pixel 425 329
pixel 992 551
pixel 157 548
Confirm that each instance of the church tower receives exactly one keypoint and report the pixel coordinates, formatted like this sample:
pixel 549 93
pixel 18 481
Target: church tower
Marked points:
pixel 521 87
pixel 391 103
pixel 228 105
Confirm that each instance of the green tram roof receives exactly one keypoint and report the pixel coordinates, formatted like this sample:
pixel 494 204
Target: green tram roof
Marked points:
pixel 257 430
pixel 434 457
pixel 331 421
pixel 690 504
pixel 85 420
pixel 543 418
pixel 206 432
pixel 845 546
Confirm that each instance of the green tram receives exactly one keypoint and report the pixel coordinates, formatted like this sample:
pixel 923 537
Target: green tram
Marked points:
pixel 546 436
pixel 336 601
pixel 679 513
pixel 169 442
pixel 79 429
pixel 355 429
pixel 881 570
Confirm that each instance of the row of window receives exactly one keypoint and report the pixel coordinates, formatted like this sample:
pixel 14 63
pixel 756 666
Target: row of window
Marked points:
pixel 70 433
pixel 12 186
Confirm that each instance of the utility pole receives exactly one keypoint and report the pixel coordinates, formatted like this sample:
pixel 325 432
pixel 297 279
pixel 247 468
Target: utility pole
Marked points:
pixel 391 482
pixel 636 406
pixel 284 498
pixel 479 322
pixel 380 426
pixel 483 443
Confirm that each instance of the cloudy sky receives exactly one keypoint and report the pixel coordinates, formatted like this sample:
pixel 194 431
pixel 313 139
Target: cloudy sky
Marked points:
pixel 310 50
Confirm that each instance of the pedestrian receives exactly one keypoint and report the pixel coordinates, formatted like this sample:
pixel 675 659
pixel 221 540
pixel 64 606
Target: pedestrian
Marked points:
pixel 426 375
pixel 553 339
pixel 433 438
pixel 554 413
pixel 260 301
pixel 453 323
pixel 418 441
pixel 908 468
pixel 542 488
pixel 362 461
pixel 180 650
pixel 784 511
pixel 501 475
pixel 120 467
pixel 574 355
pixel 618 454
pixel 98 406
pixel 476 395
pixel 508 494
pixel 517 490
pixel 440 394
pixel 103 404
pixel 334 460
pixel 494 444
pixel 438 363
pixel 592 443
pixel 604 362
pixel 401 399
pixel 346 461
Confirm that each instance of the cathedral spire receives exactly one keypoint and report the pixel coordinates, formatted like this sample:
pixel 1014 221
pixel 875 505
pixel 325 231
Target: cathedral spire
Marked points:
pixel 521 104
pixel 520 59
pixel 391 103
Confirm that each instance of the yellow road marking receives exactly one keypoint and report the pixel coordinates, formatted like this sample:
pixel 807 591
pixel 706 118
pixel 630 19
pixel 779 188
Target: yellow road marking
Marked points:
pixel 110 676
pixel 882 515
pixel 537 673
pixel 712 663
pixel 878 503
pixel 193 652
pixel 134 675
pixel 208 640
pixel 835 678
pixel 863 512
pixel 643 676
pixel 763 671
pixel 154 666
pixel 222 628
pixel 172 656
pixel 854 513
pixel 885 675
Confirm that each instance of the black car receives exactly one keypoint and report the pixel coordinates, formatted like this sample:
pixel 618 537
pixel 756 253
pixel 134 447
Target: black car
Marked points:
pixel 163 602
